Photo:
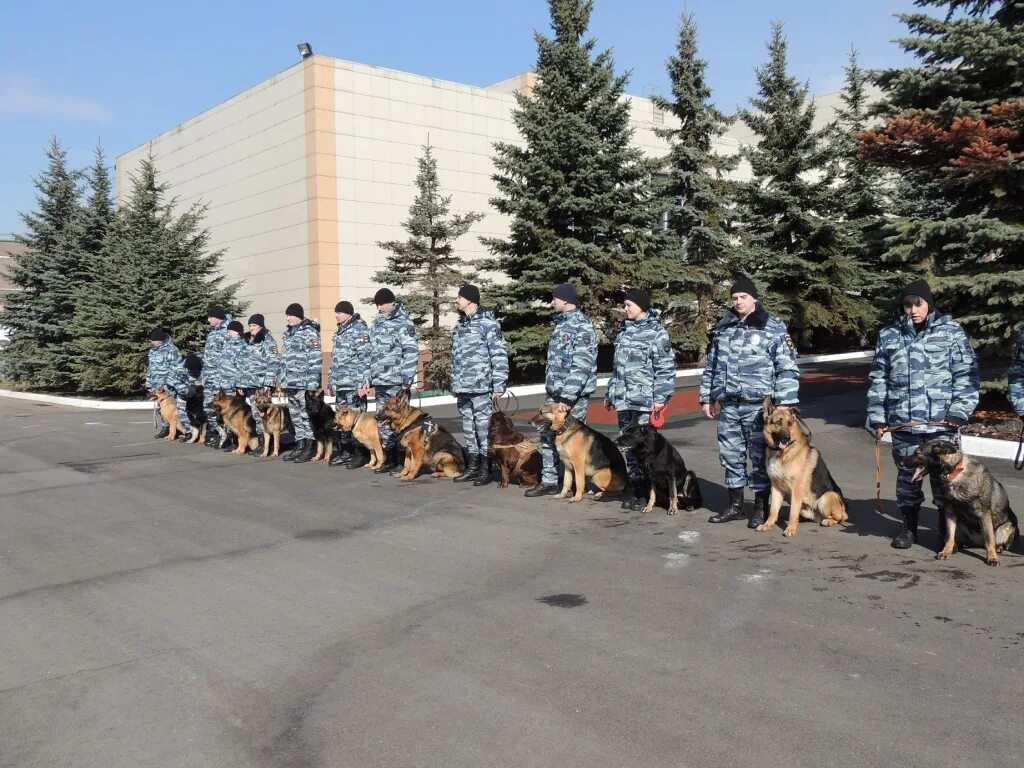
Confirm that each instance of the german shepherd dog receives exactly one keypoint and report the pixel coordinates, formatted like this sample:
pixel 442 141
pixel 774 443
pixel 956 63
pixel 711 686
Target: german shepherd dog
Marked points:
pixel 797 470
pixel 516 456
pixel 237 420
pixel 666 472
pixel 424 440
pixel 364 429
pixel 196 414
pixel 321 421
pixel 168 404
pixel 275 420
pixel 977 510
pixel 585 453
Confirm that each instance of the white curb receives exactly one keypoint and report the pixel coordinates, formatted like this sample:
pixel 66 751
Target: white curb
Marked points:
pixel 985 447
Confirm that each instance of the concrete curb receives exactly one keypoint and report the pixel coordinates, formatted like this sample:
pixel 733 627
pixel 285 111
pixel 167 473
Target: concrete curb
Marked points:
pixel 527 390
pixel 984 447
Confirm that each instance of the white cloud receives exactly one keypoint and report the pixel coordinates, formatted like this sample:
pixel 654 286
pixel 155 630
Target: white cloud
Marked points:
pixel 24 96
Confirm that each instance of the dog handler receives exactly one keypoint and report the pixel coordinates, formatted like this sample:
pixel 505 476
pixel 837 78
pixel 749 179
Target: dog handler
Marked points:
pixel 750 357
pixel 924 371
pixel 301 370
pixel 163 357
pixel 350 367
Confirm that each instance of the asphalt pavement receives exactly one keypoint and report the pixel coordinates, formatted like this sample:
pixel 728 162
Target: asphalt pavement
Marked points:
pixel 172 605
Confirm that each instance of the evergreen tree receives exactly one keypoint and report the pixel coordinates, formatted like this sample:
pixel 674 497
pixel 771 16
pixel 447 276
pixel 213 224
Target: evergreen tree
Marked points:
pixel 97 213
pixel 576 192
pixel 954 132
pixel 694 198
pixel 806 257
pixel 39 315
pixel 155 270
pixel 427 267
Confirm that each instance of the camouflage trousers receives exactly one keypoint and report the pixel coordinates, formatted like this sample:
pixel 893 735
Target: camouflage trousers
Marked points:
pixel 629 419
pixel 356 403
pixel 910 494
pixel 300 416
pixel 212 412
pixel 250 398
pixel 551 466
pixel 476 413
pixel 382 394
pixel 741 439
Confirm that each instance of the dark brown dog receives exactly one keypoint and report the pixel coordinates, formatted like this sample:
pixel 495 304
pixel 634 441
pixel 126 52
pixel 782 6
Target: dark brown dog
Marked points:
pixel 585 453
pixel 424 440
pixel 275 420
pixel 517 457
pixel 238 420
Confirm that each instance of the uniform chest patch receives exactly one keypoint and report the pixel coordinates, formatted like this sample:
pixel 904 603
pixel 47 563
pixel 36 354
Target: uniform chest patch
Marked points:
pixel 316 343
pixel 565 338
pixel 755 339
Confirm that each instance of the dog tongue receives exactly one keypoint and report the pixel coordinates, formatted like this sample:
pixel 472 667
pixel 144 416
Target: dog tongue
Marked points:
pixel 918 474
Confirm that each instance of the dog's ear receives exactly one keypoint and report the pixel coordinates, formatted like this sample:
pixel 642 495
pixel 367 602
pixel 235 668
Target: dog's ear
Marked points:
pixel 769 406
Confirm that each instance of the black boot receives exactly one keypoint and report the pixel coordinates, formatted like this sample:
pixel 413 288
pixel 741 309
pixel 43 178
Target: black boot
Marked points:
pixel 341 457
pixel 390 462
pixel 307 452
pixel 483 474
pixel 230 444
pixel 906 538
pixel 543 489
pixel 360 458
pixel 760 511
pixel 734 510
pixel 472 467
pixel 292 452
pixel 212 439
pixel 165 430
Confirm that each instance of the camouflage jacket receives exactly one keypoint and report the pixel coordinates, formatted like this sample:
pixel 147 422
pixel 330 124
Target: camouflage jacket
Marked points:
pixel 394 350
pixel 479 355
pixel 163 357
pixel 216 341
pixel 926 375
pixel 234 363
pixel 643 371
pixel 1016 393
pixel 350 355
pixel 571 369
pixel 301 356
pixel 749 360
pixel 262 361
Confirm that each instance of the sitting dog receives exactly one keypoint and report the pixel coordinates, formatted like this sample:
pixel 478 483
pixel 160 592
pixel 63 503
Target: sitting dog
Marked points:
pixel 167 401
pixel 275 418
pixel 586 454
pixel 516 456
pixel 424 440
pixel 196 413
pixel 238 420
pixel 977 509
pixel 666 472
pixel 364 429
pixel 321 421
pixel 797 470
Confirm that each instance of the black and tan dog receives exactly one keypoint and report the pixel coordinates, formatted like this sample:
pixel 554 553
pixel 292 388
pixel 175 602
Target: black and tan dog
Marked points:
pixel 517 457
pixel 364 429
pixel 424 440
pixel 977 509
pixel 238 420
pixel 586 454
pixel 196 413
pixel 275 418
pixel 667 478
pixel 321 421
pixel 167 402
pixel 797 471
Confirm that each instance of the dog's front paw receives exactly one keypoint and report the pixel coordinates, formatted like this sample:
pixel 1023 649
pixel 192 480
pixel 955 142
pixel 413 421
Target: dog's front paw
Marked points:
pixel 672 511
pixel 575 499
pixel 942 555
pixel 789 532
pixel 993 561
pixel 763 527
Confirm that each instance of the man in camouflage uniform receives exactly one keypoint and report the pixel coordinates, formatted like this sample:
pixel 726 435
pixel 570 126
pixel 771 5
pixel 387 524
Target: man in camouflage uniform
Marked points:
pixel 394 357
pixel 643 377
pixel 750 357
pixel 184 377
pixel 262 363
pixel 234 370
pixel 216 341
pixel 350 369
pixel 301 371
pixel 570 375
pixel 1016 393
pixel 924 371
pixel 163 356
pixel 479 377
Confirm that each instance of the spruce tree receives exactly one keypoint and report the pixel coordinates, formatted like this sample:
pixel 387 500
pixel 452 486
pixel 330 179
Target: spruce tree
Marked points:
pixel 954 132
pixel 39 314
pixel 805 256
pixel 576 191
pixel 155 270
pixel 97 213
pixel 427 267
pixel 693 196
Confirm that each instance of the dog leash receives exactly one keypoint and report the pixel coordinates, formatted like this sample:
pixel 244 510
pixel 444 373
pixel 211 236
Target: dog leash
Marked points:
pixel 879 506
pixel 1018 460
pixel 510 409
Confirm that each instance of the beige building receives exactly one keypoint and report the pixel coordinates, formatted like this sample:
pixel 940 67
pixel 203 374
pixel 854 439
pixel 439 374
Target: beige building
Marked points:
pixel 8 248
pixel 304 173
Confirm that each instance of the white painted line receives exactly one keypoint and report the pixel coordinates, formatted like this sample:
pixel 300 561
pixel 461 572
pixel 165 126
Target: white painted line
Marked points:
pixel 133 445
pixel 95 424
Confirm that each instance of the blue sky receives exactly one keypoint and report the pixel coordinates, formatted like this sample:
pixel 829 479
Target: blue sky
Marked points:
pixel 120 72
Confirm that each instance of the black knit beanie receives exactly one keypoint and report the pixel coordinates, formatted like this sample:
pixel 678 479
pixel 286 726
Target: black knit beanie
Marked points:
pixel 257 320
pixel 345 307
pixel 566 292
pixel 744 285
pixel 295 310
pixel 641 298
pixel 383 296
pixel 919 288
pixel 470 293
pixel 158 334
pixel 236 326
pixel 218 312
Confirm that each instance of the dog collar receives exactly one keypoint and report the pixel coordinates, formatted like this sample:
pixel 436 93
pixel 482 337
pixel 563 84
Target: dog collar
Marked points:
pixel 955 472
pixel 420 422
